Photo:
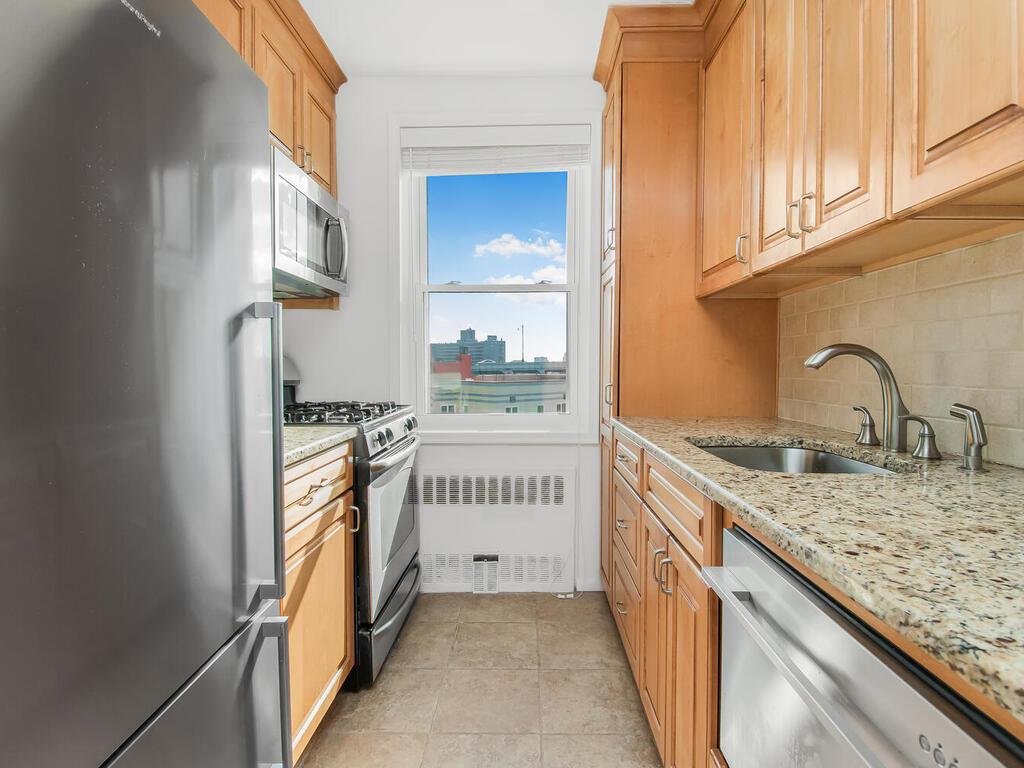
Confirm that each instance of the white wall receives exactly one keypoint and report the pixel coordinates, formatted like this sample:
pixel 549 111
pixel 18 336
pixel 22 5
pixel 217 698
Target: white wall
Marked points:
pixel 353 353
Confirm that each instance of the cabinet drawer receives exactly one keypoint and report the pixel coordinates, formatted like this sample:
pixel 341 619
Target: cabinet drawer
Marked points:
pixel 317 495
pixel 627 456
pixel 683 509
pixel 318 523
pixel 627 522
pixel 313 463
pixel 626 605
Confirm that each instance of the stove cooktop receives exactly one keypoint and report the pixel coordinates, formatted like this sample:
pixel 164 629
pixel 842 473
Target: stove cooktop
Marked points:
pixel 339 412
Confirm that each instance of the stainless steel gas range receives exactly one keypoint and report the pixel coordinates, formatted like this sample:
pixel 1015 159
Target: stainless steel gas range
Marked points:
pixel 388 539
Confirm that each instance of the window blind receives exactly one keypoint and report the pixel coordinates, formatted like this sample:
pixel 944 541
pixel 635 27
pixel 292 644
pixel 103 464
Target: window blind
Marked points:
pixel 495 148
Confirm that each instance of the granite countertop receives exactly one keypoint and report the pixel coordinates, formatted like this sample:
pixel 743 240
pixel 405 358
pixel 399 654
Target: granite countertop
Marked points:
pixel 934 552
pixel 304 440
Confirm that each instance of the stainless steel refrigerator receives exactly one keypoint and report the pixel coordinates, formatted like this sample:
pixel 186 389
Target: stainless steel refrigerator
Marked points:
pixel 138 424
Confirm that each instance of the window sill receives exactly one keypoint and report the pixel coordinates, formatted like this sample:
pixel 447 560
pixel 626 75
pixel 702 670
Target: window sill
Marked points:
pixel 506 437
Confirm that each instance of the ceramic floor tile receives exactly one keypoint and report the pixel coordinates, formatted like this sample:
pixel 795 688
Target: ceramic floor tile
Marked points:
pixel 424 645
pixel 585 608
pixel 590 701
pixel 488 701
pixel 482 751
pixel 511 606
pixel 587 645
pixel 401 701
pixel 365 750
pixel 495 645
pixel 441 607
pixel 599 751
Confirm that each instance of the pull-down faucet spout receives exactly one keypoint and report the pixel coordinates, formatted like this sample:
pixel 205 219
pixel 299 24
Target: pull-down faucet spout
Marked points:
pixel 894 428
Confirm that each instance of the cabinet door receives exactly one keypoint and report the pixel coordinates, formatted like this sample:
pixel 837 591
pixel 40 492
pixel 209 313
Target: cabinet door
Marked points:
pixel 611 157
pixel 278 60
pixel 609 346
pixel 958 112
pixel 726 237
pixel 231 18
pixel 781 54
pixel 319 604
pixel 319 129
pixel 848 96
pixel 689 666
pixel 606 511
pixel 655 611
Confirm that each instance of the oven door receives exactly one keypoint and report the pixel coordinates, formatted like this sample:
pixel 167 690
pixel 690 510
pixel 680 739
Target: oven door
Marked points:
pixel 392 537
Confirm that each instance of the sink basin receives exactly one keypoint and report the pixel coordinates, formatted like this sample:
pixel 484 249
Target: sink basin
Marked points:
pixel 771 458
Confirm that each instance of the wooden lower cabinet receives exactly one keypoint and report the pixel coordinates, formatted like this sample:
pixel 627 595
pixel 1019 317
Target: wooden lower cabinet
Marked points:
pixel 626 607
pixel 320 606
pixel 655 630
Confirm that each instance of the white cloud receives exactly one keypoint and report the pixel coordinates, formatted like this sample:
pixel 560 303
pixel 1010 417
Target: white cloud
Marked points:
pixel 508 245
pixel 551 273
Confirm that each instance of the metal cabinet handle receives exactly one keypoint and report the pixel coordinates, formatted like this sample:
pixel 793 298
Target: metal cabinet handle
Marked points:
pixel 309 159
pixel 272 310
pixel 739 249
pixel 663 580
pixel 657 552
pixel 359 519
pixel 609 239
pixel 607 394
pixel 301 150
pixel 622 457
pixel 795 205
pixel 829 712
pixel 803 198
pixel 621 524
pixel 276 627
pixel 306 500
pixel 620 608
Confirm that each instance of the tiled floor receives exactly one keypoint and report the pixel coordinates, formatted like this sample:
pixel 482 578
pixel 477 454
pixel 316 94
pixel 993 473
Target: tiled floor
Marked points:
pixel 502 681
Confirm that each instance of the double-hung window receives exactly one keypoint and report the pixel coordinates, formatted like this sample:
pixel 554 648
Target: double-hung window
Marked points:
pixel 493 253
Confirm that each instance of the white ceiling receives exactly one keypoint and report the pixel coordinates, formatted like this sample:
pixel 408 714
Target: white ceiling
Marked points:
pixel 463 37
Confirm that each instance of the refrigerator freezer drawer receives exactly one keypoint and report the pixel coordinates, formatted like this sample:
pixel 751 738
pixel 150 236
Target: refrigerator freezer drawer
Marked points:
pixel 230 715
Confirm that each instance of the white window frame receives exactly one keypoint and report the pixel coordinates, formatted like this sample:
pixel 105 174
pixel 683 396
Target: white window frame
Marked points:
pixel 579 424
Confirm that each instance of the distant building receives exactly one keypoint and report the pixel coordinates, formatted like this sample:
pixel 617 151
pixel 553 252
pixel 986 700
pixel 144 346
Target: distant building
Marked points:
pixel 492 348
pixel 462 386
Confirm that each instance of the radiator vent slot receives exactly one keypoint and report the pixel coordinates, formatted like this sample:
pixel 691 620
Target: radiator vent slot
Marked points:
pixel 488 574
pixel 485 574
pixel 482 490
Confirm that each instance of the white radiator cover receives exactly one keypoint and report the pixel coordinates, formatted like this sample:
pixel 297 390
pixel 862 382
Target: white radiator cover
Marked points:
pixel 526 518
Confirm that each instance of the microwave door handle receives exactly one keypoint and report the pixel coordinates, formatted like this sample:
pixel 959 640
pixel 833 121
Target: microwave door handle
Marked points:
pixel 828 712
pixel 344 249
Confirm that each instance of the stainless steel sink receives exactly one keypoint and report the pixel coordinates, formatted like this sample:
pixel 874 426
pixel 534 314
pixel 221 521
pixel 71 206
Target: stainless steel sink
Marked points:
pixel 771 458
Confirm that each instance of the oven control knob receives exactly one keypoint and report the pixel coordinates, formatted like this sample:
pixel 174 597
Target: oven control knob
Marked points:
pixel 390 435
pixel 410 424
pixel 382 439
pixel 415 421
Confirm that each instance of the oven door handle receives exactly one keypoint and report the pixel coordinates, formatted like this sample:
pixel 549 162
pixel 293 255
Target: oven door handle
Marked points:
pixel 830 713
pixel 387 462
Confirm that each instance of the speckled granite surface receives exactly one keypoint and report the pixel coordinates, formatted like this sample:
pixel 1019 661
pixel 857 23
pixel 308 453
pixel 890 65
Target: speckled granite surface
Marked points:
pixel 304 440
pixel 934 552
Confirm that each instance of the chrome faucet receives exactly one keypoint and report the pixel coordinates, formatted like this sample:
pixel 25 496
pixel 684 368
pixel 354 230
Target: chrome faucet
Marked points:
pixel 894 426
pixel 975 437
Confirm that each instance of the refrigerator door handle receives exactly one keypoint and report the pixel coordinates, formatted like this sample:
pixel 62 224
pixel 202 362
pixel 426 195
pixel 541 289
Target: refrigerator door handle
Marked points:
pixel 272 310
pixel 276 627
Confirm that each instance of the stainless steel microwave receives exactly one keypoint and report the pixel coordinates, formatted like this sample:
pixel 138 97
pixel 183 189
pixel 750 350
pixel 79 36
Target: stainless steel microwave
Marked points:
pixel 311 250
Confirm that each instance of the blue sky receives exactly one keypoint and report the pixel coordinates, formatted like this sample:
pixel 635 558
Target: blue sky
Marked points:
pixel 499 228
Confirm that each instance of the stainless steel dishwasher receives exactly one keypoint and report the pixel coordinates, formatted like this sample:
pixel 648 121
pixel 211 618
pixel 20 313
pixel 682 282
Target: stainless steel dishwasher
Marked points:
pixel 803 686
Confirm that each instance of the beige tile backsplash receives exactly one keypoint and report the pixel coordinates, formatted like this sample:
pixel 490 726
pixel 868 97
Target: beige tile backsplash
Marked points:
pixel 952 328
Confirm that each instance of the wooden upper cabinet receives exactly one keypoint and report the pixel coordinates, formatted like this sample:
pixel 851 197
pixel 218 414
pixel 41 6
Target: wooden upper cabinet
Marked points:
pixel 847 118
pixel 958 110
pixel 781 48
pixel 278 61
pixel 726 236
pixel 232 18
pixel 610 170
pixel 318 121
pixel 609 346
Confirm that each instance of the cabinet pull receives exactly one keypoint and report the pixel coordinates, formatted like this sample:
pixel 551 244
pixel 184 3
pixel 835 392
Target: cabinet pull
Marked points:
pixel 623 458
pixel 620 608
pixel 309 159
pixel 657 552
pixel 795 205
pixel 302 155
pixel 622 525
pixel 804 227
pixel 609 239
pixel 607 394
pixel 663 580
pixel 359 519
pixel 306 500
pixel 739 249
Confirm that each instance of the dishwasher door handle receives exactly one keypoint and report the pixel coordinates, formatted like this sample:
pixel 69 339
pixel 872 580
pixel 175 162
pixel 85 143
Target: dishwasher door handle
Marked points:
pixel 736 598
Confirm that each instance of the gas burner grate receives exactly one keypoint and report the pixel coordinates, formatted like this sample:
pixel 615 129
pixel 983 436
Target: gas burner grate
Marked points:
pixel 340 412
